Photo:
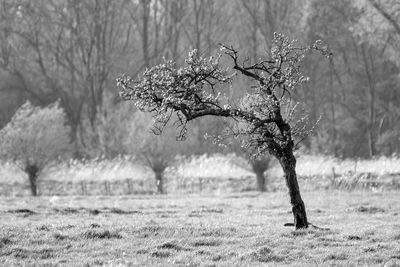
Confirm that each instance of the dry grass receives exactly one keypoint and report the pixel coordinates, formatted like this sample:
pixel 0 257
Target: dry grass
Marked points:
pixel 308 165
pixel 230 230
pixel 217 174
pixel 218 166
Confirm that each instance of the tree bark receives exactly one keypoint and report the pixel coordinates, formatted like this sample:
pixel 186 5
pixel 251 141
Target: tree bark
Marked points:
pixel 32 171
pixel 288 163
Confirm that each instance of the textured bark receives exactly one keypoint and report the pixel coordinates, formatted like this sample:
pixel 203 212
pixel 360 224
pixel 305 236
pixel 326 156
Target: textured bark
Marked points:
pixel 32 171
pixel 288 163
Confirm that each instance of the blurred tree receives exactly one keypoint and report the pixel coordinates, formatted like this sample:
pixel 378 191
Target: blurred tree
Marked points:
pixel 262 18
pixel 378 25
pixel 157 152
pixel 265 116
pixel 357 106
pixel 34 138
pixel 108 137
pixel 120 129
pixel 258 165
pixel 68 48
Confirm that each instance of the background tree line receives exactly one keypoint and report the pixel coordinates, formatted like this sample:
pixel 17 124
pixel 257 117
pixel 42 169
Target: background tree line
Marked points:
pixel 72 51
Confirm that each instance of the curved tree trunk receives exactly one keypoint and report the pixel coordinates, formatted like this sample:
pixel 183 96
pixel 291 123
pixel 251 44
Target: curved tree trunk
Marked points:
pixel 288 163
pixel 32 171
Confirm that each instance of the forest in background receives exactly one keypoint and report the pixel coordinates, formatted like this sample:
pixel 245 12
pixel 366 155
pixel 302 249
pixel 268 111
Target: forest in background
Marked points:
pixel 72 51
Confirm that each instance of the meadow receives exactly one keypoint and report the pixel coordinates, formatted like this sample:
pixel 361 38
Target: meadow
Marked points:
pixel 243 229
pixel 225 224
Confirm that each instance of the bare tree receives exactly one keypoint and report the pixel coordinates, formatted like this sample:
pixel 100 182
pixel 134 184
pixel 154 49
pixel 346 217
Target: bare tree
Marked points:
pixel 69 47
pixel 265 118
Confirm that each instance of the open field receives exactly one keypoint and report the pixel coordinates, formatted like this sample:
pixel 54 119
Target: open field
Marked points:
pixel 228 230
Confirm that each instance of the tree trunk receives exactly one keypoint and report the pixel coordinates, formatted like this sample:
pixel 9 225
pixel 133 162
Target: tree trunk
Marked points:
pixel 259 166
pixel 159 182
pixel 32 171
pixel 261 184
pixel 288 163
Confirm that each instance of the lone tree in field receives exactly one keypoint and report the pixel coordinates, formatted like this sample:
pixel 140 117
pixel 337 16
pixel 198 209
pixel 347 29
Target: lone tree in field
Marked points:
pixel 267 120
pixel 33 138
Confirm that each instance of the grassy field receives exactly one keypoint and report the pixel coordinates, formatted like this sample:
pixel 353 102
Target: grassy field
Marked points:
pixel 229 230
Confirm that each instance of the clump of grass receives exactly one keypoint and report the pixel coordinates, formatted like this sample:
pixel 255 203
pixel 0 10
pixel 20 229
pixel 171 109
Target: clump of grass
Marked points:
pixel 396 237
pixel 59 236
pixel 300 232
pixel 215 210
pixel 147 231
pixel 161 254
pixel 45 253
pixel 393 262
pixel 26 212
pixel 369 249
pixel 206 242
pixel 218 257
pixel 353 237
pixel 94 225
pixel 370 209
pixel 265 254
pixel 336 256
pixel 101 234
pixel 5 241
pixel 68 226
pixel 219 232
pixel 172 246
pixel 142 251
pixel 94 211
pixel 67 210
pixel 20 253
pixel 121 211
pixel 118 211
pixel 43 227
